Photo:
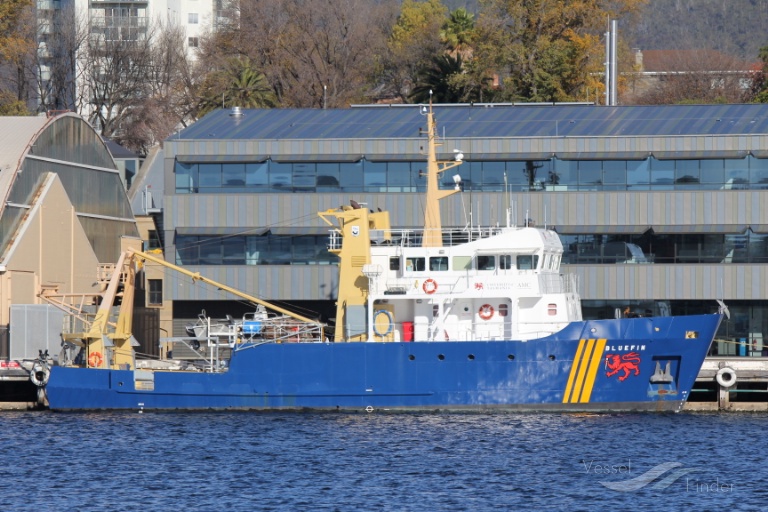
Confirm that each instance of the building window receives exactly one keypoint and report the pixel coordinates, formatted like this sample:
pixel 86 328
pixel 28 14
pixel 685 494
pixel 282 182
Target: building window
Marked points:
pixel 154 240
pixel 253 250
pixel 155 292
pixel 194 42
pixel 556 175
pixel 193 18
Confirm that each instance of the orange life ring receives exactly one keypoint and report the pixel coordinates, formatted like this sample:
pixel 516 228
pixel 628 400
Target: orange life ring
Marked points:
pixel 95 360
pixel 485 311
pixel 429 286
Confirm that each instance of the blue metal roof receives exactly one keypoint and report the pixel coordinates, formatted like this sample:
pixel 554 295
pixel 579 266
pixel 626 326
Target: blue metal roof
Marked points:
pixel 482 121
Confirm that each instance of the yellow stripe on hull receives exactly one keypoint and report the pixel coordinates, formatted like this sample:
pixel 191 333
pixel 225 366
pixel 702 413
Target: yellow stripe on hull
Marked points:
pixel 581 379
pixel 574 369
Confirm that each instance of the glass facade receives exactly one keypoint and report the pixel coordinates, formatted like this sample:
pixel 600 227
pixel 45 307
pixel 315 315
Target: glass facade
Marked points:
pixel 544 175
pixel 265 249
pixel 650 247
pixel 647 248
pixel 739 336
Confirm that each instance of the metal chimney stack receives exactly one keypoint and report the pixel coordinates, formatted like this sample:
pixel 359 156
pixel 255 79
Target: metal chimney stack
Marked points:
pixel 611 64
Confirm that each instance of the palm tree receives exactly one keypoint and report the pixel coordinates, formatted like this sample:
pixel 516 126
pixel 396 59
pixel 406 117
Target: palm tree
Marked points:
pixel 458 31
pixel 436 78
pixel 239 84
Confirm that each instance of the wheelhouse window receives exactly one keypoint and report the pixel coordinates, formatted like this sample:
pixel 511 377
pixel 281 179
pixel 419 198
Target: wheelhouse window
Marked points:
pixel 415 264
pixel 505 262
pixel 438 263
pixel 462 262
pixel 527 262
pixel 485 262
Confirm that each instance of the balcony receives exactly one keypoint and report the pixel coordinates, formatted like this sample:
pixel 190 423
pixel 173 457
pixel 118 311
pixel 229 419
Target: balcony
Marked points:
pixel 101 22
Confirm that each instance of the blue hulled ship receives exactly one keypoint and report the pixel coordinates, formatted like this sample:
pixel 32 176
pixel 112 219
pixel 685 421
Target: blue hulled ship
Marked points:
pixel 429 319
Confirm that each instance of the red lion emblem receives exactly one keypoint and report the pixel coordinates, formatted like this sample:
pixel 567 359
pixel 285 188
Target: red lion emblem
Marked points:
pixel 624 362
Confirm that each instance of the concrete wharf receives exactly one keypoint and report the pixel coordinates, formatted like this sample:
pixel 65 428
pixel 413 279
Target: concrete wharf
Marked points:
pixel 731 384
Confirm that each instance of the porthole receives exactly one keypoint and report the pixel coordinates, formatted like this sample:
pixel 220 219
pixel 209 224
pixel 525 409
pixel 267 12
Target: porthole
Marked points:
pixel 441 357
pixel 511 357
pixel 471 357
pixel 411 357
pixel 551 357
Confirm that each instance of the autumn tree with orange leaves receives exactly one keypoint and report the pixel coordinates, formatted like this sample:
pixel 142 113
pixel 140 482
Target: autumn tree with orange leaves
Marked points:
pixel 16 46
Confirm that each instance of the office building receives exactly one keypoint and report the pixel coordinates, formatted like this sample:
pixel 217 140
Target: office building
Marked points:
pixel 661 209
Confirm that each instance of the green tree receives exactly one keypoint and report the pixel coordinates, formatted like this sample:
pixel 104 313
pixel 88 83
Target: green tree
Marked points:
pixel 546 50
pixel 760 83
pixel 238 84
pixel 457 33
pixel 10 106
pixel 414 42
pixel 434 81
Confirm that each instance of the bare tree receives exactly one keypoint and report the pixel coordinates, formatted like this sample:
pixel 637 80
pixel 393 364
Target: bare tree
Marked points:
pixel 55 65
pixel 136 87
pixel 694 76
pixel 312 53
pixel 167 103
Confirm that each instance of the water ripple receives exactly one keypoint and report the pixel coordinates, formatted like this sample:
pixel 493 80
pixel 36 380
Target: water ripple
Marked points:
pixel 388 462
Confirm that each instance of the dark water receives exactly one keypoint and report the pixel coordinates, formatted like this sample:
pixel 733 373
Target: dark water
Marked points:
pixel 294 461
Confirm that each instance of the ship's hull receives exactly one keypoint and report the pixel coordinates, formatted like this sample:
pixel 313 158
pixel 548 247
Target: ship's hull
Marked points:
pixel 608 365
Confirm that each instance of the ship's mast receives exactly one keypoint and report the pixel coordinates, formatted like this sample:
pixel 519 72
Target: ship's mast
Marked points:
pixel 433 228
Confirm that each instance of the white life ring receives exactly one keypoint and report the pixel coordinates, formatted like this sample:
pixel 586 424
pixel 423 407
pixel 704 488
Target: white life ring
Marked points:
pixel 429 286
pixel 389 325
pixel 726 377
pixel 40 374
pixel 485 312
